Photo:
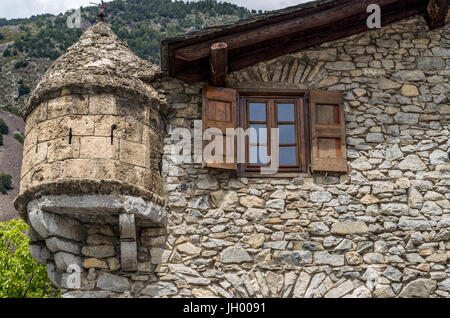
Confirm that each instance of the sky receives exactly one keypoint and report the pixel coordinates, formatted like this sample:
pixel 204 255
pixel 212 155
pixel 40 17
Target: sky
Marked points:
pixel 25 8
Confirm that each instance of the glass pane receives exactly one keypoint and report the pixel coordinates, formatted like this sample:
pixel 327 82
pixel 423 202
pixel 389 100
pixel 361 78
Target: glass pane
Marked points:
pixel 287 134
pixel 257 111
pixel 258 134
pixel 288 156
pixel 286 112
pixel 258 155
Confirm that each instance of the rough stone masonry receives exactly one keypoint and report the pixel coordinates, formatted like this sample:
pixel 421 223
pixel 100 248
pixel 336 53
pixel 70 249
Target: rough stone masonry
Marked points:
pixel 382 230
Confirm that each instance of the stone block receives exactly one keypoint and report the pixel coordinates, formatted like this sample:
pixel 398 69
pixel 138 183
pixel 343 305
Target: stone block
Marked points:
pixel 127 226
pixel 103 104
pixel 134 153
pixel 49 224
pixel 128 256
pixel 113 283
pixel 98 148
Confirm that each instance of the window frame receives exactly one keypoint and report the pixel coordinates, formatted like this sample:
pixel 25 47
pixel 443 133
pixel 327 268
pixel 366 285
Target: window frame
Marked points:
pixel 270 96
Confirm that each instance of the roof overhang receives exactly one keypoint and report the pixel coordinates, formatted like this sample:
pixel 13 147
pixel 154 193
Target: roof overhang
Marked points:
pixel 281 32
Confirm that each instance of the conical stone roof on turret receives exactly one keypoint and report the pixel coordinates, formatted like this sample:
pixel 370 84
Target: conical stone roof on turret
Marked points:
pixel 99 61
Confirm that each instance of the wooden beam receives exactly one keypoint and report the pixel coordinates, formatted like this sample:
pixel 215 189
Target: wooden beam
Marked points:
pixel 252 37
pixel 292 43
pixel 218 63
pixel 437 12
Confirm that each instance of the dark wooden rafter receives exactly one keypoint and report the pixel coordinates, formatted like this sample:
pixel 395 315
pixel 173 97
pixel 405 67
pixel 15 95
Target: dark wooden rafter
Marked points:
pixel 437 11
pixel 190 59
pixel 270 32
pixel 218 63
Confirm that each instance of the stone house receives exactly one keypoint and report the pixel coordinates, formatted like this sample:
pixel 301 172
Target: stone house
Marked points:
pixel 359 206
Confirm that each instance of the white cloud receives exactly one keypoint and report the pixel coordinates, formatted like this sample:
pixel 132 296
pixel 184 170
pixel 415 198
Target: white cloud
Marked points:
pixel 26 8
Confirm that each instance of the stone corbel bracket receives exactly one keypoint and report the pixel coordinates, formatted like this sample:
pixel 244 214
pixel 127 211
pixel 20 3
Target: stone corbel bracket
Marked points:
pixel 63 216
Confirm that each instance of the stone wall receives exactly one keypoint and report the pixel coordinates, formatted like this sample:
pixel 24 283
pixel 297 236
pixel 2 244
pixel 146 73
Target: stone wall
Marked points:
pixel 382 230
pixel 69 138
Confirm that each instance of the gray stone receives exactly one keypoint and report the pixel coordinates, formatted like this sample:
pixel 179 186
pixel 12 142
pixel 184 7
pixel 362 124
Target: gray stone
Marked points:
pixel 128 256
pixel 393 152
pixel 127 226
pixel 318 228
pixel 413 76
pixel 182 269
pixel 444 222
pixel 56 244
pixel 415 198
pixel 111 282
pixel 292 257
pixel 234 254
pixel 406 118
pixel 324 258
pixel 383 291
pixel 444 285
pixel 341 290
pixel 301 285
pixel 393 274
pixel 374 258
pixel 49 224
pixel 438 157
pixel 420 288
pixel 414 224
pixel 413 163
pixel 361 164
pixel 349 227
pixel 374 137
pixel 160 289
pixel 87 294
pixel 98 251
pixel 40 253
pixel 207 182
pixel 384 83
pixel 277 204
pixel 320 196
pixel 394 209
pixel 429 63
pixel 340 66
pixel 64 260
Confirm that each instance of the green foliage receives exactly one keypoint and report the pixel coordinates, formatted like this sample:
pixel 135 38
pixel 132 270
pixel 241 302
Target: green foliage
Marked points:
pixel 137 22
pixel 6 53
pixel 20 64
pixel 5 183
pixel 1 140
pixel 2 37
pixel 4 130
pixel 18 136
pixel 23 89
pixel 20 275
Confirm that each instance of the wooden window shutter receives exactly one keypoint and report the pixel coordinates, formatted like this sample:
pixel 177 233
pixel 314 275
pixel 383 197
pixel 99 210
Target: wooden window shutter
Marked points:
pixel 219 111
pixel 328 141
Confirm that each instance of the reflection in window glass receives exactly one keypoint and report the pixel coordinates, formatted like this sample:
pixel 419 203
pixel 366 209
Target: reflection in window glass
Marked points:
pixel 257 111
pixel 258 134
pixel 286 112
pixel 288 156
pixel 287 134
pixel 258 155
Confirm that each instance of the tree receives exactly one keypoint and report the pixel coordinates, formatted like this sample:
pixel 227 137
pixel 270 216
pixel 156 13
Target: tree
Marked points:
pixel 4 130
pixel 23 89
pixel 5 183
pixel 20 275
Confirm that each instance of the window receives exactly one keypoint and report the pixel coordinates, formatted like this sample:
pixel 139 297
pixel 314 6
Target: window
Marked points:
pixel 311 129
pixel 263 112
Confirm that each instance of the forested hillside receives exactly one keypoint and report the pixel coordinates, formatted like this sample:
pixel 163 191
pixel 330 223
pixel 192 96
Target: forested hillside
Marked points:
pixel 28 46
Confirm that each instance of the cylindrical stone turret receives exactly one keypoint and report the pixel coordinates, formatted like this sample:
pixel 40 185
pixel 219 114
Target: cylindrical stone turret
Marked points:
pixel 93 124
pixel 92 158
